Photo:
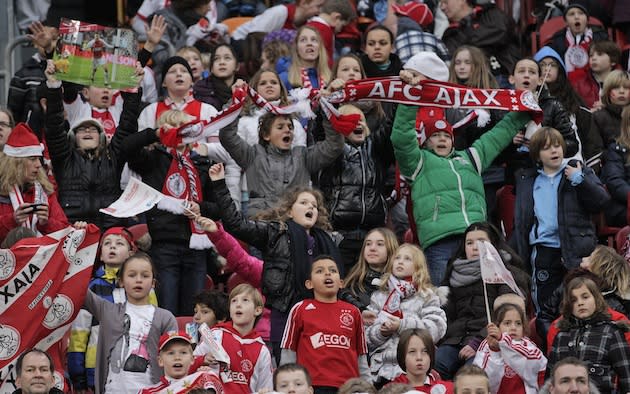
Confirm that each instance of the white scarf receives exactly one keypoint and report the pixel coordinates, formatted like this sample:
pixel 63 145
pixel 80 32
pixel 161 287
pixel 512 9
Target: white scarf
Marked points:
pixel 40 198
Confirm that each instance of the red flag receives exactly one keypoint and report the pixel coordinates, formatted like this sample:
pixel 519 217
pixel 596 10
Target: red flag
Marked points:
pixel 43 282
pixel 492 268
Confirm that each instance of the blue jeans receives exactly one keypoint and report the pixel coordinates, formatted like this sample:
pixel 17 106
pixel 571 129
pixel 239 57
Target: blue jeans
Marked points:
pixel 181 274
pixel 438 255
pixel 447 361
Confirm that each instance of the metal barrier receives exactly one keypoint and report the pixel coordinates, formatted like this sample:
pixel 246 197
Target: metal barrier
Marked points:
pixel 8 69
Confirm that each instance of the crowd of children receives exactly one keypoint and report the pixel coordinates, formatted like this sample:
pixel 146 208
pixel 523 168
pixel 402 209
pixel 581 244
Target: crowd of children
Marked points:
pixel 304 255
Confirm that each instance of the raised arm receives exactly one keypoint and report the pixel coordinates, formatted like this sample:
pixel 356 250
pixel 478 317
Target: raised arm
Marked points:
pixel 238 148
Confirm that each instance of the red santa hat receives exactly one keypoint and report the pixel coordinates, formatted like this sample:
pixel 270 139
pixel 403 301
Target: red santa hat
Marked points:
pixel 22 142
pixel 419 12
pixel 431 120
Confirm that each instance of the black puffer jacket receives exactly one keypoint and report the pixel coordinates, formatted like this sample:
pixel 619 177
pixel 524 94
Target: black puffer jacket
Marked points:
pixel 22 100
pixel 616 176
pixel 491 30
pixel 606 125
pixel 153 166
pixel 575 206
pixel 358 298
pixel 354 185
pixel 88 181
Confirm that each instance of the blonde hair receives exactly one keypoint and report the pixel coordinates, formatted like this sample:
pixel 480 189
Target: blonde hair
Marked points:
pixel 182 51
pixel 420 277
pixel 348 109
pixel 615 79
pixel 356 277
pixel 295 71
pixel 624 135
pixel 173 117
pixel 612 268
pixel 12 174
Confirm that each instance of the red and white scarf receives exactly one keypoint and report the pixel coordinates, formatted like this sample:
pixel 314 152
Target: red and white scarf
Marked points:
pixel 390 89
pixel 576 56
pixel 182 184
pixel 399 289
pixel 40 197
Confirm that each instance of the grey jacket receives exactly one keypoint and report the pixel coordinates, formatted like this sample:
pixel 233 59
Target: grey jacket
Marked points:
pixel 271 171
pixel 111 317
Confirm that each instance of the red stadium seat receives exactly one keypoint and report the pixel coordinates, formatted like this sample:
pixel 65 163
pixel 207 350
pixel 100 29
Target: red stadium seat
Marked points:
pixel 182 321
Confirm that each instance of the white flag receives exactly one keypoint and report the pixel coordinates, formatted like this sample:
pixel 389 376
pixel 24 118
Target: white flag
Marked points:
pixel 493 270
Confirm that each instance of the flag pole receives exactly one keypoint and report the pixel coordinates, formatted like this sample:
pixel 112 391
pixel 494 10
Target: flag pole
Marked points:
pixel 485 294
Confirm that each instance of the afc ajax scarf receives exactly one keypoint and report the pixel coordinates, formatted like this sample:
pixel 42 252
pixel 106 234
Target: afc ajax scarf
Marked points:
pixel 391 89
pixel 399 289
pixel 43 282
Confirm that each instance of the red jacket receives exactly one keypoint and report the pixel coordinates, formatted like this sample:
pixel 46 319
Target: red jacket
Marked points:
pixel 585 86
pixel 434 380
pixel 56 217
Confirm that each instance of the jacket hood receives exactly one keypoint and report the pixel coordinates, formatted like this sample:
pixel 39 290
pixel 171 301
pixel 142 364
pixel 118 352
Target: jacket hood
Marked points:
pixel 228 326
pixel 548 51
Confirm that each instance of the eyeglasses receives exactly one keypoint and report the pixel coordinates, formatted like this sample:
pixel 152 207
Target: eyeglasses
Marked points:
pixel 550 64
pixel 87 129
pixel 6 125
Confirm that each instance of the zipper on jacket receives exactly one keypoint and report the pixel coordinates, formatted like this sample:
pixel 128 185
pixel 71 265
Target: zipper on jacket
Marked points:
pixel 461 193
pixel 436 208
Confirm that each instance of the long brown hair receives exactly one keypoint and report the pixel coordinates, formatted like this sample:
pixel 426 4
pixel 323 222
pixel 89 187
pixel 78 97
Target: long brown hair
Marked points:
pixel 480 75
pixel 356 277
pixel 249 106
pixel 280 212
pixel 567 300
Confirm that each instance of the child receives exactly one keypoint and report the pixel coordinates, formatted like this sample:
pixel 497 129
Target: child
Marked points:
pixel 586 332
pixel 325 334
pixel 216 88
pixel 616 174
pixel 211 307
pixel 604 57
pixel 273 165
pixel 273 51
pixel 442 210
pixel 250 360
pixel 176 357
pixel 115 247
pixel 334 15
pixel 379 59
pixel 177 244
pixel 471 379
pixel 127 347
pixel 466 305
pixel 288 235
pixel 415 355
pixel 87 168
pixel 357 385
pixel 614 272
pixel 177 80
pixel 193 57
pixel 292 378
pixel 354 185
pixel 406 299
pixel 287 16
pixel 545 231
pixel 308 65
pixel 512 361
pixel 364 278
pixel 572 42
pixel 606 122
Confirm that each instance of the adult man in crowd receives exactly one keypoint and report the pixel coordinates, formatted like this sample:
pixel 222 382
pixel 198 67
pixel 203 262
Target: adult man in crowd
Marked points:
pixel 34 370
pixel 569 376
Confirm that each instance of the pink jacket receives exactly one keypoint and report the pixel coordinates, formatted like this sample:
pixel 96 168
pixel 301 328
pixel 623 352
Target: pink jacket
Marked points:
pixel 244 264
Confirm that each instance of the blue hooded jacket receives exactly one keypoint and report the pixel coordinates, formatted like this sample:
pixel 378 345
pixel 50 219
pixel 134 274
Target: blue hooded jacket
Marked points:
pixel 548 51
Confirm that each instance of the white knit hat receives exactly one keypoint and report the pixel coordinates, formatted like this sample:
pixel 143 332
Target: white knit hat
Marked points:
pixel 429 65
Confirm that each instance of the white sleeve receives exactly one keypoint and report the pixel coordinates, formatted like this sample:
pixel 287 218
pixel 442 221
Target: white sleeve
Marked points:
pixel 77 109
pixel 271 20
pixel 147 117
pixel 524 358
pixel 207 111
pixel 263 374
pixel 299 135
pixel 148 8
pixel 149 87
pixel 491 362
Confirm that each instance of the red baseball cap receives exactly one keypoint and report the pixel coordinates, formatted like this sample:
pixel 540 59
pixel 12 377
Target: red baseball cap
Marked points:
pixel 173 336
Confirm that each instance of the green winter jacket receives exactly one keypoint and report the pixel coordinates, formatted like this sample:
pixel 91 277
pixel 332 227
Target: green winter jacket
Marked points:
pixel 447 192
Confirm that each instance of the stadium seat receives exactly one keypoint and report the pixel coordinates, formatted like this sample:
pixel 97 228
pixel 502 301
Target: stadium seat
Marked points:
pixel 233 23
pixel 209 283
pixel 621 237
pixel 182 321
pixel 505 209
